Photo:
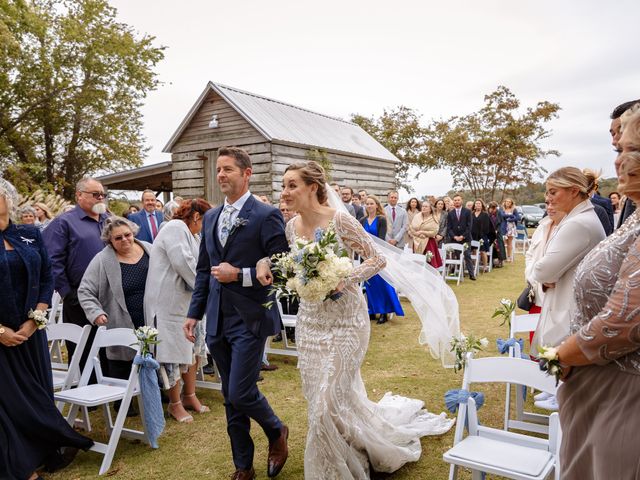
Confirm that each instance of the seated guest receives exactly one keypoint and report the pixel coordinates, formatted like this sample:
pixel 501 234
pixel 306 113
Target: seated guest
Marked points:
pixel 424 228
pixel 27 215
pixel 43 215
pixel 497 236
pixel 481 230
pixel 170 282
pixel 32 430
pixel 381 296
pixel 112 289
pixel 601 359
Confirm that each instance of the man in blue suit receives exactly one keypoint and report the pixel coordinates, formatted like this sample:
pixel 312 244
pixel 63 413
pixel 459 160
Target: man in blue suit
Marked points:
pixel 459 231
pixel 148 219
pixel 235 236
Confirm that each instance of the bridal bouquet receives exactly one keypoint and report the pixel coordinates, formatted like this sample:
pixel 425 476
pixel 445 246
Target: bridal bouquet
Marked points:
pixel 311 270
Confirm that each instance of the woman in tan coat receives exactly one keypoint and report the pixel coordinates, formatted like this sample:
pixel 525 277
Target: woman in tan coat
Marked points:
pixel 424 228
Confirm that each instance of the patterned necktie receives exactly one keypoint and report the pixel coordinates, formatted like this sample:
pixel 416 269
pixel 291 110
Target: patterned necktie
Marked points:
pixel 225 223
pixel 393 214
pixel 154 228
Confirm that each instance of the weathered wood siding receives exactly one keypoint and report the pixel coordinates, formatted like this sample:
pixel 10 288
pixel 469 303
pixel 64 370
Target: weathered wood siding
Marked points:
pixel 375 176
pixel 195 152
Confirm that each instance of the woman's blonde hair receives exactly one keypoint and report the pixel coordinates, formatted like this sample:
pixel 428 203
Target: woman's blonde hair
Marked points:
pixel 504 202
pixel 312 173
pixel 379 209
pixel 45 209
pixel 592 179
pixel 569 177
pixel 630 126
pixel 630 163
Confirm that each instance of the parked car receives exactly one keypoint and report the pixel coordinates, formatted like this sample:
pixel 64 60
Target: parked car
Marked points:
pixel 531 215
pixel 543 206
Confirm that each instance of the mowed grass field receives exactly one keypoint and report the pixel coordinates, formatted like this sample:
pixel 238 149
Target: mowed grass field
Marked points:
pixel 395 362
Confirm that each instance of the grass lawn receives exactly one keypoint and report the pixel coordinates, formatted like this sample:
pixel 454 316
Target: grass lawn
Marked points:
pixel 395 362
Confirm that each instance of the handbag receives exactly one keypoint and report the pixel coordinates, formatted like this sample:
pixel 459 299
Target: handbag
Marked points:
pixel 527 298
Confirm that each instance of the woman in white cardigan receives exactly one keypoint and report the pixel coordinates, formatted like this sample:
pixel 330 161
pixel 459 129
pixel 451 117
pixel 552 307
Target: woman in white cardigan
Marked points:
pixel 170 282
pixel 574 237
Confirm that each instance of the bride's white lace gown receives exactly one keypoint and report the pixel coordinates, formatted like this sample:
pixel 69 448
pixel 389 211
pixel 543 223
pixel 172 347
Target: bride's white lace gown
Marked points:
pixel 348 432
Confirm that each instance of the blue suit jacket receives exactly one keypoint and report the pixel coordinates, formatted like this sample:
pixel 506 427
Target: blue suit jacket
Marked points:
pixel 140 219
pixel 608 208
pixel 262 236
pixel 460 227
pixel 27 242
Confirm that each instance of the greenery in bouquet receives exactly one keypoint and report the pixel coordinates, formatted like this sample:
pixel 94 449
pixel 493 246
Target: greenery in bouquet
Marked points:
pixel 549 362
pixel 429 256
pixel 312 269
pixel 147 337
pixel 506 308
pixel 462 345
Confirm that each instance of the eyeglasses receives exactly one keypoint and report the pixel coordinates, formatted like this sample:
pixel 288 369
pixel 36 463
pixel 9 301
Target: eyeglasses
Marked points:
pixel 96 195
pixel 119 238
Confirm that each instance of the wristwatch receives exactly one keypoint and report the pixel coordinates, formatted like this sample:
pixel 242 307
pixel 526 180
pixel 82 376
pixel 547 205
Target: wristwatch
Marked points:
pixel 239 277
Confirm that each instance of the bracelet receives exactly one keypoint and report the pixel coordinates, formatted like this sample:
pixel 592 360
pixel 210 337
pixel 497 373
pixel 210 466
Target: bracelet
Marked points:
pixel 39 317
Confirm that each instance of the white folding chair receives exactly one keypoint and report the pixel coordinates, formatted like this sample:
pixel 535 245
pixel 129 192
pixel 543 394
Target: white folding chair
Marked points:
pixel 496 451
pixel 55 316
pixel 288 348
pixel 105 391
pixel 522 239
pixel 475 256
pixel 201 380
pixel 527 421
pixel 490 258
pixel 453 267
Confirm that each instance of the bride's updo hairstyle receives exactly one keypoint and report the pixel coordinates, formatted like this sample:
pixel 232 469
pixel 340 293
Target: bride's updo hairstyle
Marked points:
pixel 569 177
pixel 311 173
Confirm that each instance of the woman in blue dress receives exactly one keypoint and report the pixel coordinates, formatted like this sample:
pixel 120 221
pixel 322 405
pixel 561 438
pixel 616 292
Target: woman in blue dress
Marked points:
pixel 32 430
pixel 381 296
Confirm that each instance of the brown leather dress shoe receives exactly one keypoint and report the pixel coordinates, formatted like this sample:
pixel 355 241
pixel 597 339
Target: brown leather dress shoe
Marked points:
pixel 244 474
pixel 268 368
pixel 278 453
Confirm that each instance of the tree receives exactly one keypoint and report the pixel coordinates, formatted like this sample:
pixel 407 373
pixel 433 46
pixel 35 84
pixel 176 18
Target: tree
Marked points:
pixel 400 132
pixel 71 89
pixel 494 149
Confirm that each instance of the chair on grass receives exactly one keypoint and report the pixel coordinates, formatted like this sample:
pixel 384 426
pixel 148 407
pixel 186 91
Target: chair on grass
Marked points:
pixel 67 375
pixel 475 256
pixel 105 391
pixel 453 268
pixel 521 239
pixel 496 451
pixel 55 316
pixel 490 258
pixel 527 421
pixel 288 348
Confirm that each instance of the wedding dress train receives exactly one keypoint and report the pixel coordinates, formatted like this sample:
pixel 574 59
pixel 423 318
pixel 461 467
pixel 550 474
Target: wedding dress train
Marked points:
pixel 347 432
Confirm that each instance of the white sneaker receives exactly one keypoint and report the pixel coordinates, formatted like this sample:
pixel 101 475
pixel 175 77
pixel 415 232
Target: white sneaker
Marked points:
pixel 542 396
pixel 549 404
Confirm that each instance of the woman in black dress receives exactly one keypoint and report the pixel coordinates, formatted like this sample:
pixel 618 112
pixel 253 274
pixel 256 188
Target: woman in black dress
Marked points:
pixel 32 430
pixel 481 230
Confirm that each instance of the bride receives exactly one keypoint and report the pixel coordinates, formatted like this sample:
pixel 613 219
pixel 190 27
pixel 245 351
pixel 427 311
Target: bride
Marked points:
pixel 347 433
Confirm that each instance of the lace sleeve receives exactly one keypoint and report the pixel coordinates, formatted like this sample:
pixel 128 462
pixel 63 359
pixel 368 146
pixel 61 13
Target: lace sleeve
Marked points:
pixel 613 332
pixel 357 240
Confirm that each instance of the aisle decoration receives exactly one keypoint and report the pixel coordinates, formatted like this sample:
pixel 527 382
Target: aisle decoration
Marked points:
pixel 311 270
pixel 149 389
pixel 505 310
pixel 462 345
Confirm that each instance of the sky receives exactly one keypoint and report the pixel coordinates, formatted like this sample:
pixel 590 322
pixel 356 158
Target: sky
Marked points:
pixel 439 58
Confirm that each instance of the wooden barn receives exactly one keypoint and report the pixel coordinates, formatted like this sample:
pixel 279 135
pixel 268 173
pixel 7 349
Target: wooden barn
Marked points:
pixel 275 134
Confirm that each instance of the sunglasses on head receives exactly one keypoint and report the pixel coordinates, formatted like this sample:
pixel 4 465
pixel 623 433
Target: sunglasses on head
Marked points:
pixel 119 238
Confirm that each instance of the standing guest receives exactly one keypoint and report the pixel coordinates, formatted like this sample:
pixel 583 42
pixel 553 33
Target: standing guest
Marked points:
pixel 27 215
pixel 481 230
pixel 264 199
pixel 148 219
pixel 287 214
pixel 441 213
pixel 363 198
pixel 113 287
pixel 497 237
pixel 72 240
pixel 32 430
pixel 424 229
pixel 600 360
pixel 169 210
pixel 413 207
pixel 159 205
pixel 381 296
pixel 43 215
pixel 132 209
pixel 235 236
pixel 170 283
pixel 346 193
pixel 358 206
pixel 602 206
pixel 616 204
pixel 574 237
pixel 469 205
pixel 398 221
pixel 448 203
pixel 615 130
pixel 459 231
pixel 511 218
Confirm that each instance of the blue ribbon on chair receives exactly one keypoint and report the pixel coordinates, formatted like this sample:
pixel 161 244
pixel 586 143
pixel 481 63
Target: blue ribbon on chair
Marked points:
pixel 150 392
pixel 504 346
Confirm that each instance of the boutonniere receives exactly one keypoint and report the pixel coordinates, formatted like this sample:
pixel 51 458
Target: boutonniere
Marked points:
pixel 237 223
pixel 28 241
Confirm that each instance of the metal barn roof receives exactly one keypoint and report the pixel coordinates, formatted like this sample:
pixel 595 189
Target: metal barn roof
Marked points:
pixel 280 122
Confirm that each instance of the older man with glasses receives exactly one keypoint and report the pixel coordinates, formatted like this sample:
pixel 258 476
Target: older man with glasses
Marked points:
pixel 72 240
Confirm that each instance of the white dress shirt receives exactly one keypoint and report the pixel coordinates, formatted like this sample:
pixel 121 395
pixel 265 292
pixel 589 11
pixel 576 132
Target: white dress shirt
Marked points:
pixel 237 205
